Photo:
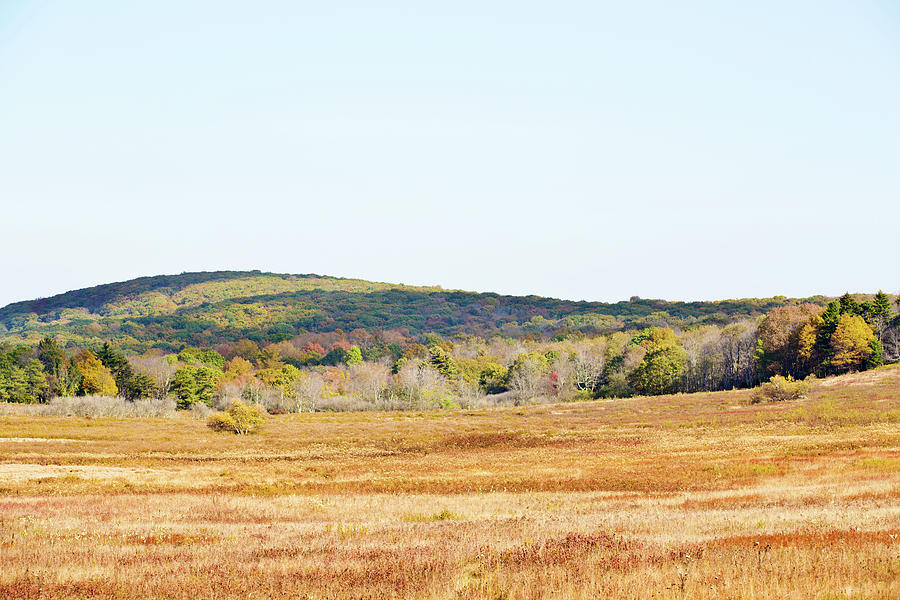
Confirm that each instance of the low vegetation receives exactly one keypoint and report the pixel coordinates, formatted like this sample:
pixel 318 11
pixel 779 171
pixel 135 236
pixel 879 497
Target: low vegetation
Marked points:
pixel 95 407
pixel 239 418
pixel 703 496
pixel 780 388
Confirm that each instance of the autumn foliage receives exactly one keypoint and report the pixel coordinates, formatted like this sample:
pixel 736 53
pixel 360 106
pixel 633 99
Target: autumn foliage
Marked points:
pixel 239 418
pixel 702 496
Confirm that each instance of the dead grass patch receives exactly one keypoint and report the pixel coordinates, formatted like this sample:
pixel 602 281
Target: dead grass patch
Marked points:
pixel 671 497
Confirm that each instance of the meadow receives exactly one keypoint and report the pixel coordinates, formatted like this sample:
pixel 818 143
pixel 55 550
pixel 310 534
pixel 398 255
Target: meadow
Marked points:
pixel 686 496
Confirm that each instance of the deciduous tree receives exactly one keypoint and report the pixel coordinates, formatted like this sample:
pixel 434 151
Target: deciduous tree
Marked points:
pixel 661 368
pixel 777 335
pixel 851 343
pixel 529 375
pixel 95 377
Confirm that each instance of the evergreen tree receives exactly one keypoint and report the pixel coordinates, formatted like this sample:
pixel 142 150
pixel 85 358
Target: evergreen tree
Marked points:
pixel 131 385
pixel 22 377
pixel 830 318
pixel 848 305
pixel 354 356
pixel 882 304
pixel 57 368
pixel 51 356
pixel 441 360
pixel 184 386
pixel 876 358
pixel 195 384
pixel 880 314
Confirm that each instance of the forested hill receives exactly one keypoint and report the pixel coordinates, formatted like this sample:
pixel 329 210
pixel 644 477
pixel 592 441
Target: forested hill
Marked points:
pixel 209 308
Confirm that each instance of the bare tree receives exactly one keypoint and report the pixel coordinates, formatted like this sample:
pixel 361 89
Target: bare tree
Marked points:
pixel 308 391
pixel 157 368
pixel 421 385
pixel 529 376
pixel 891 342
pixel 587 362
pixel 370 382
pixel 703 362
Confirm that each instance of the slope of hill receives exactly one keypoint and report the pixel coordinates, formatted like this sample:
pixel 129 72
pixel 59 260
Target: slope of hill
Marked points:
pixel 171 311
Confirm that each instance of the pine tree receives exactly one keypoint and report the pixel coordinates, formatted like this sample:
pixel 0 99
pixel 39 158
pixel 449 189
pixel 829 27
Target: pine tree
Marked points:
pixel 880 314
pixel 848 305
pixel 443 362
pixel 882 304
pixel 354 356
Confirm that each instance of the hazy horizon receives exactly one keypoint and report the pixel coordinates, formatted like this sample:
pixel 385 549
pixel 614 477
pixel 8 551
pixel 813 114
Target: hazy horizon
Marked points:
pixel 592 151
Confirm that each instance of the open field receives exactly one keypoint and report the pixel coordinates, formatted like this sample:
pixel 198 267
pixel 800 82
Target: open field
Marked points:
pixel 693 496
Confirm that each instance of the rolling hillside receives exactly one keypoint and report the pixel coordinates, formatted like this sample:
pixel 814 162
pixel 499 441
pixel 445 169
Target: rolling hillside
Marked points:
pixel 206 308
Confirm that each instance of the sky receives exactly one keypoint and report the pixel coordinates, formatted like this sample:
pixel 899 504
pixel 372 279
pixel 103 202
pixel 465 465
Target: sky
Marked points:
pixel 578 149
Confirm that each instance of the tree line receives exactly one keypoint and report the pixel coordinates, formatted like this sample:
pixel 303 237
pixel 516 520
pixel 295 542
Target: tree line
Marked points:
pixel 359 369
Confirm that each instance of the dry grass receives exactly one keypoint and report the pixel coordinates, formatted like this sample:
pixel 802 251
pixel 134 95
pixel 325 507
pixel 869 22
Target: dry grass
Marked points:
pixel 695 496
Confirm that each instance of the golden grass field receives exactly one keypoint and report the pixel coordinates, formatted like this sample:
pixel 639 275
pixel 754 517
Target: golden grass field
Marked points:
pixel 689 496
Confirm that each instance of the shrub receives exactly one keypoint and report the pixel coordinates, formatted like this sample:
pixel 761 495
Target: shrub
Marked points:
pixel 220 422
pixel 444 515
pixel 239 418
pixel 780 388
pixel 200 411
pixel 349 404
pixel 100 406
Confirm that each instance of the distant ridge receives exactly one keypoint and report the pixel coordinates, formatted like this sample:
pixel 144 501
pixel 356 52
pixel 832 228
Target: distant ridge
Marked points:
pixel 206 308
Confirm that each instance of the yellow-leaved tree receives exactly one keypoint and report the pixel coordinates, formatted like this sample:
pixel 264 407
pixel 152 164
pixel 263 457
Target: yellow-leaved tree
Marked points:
pixel 808 358
pixel 851 343
pixel 95 377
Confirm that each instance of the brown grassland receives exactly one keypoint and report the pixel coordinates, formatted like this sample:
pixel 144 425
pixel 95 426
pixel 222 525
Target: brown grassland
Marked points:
pixel 688 496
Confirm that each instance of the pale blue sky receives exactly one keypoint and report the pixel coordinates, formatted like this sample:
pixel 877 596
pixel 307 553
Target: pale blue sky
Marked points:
pixel 578 149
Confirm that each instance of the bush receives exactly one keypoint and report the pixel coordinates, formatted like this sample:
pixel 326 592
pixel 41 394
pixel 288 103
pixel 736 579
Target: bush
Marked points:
pixel 200 411
pixel 348 404
pixel 220 422
pixel 99 406
pixel 780 388
pixel 239 418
